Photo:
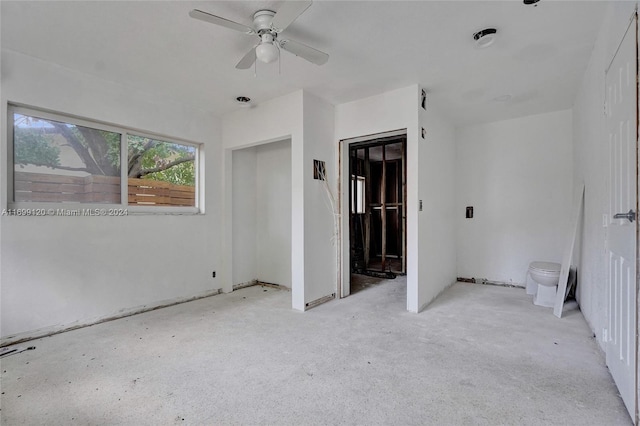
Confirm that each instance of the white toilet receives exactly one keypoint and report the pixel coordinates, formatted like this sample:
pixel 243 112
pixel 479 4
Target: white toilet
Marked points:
pixel 545 277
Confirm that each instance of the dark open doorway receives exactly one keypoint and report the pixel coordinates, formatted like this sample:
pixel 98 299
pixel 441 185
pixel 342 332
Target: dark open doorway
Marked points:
pixel 377 220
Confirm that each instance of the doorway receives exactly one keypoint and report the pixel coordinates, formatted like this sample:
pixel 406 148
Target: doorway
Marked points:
pixel 377 209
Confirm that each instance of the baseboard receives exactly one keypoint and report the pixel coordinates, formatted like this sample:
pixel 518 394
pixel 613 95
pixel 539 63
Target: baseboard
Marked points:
pixel 272 285
pixel 260 283
pixel 319 301
pixel 244 285
pixel 50 331
pixel 490 282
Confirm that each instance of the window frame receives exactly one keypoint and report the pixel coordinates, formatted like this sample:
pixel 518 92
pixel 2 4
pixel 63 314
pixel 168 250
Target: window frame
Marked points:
pixel 124 187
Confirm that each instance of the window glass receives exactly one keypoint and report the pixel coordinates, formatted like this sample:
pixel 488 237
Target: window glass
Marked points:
pixel 160 173
pixel 63 160
pixel 357 194
pixel 59 162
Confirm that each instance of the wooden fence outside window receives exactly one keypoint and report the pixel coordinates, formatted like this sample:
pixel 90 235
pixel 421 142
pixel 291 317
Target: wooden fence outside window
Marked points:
pixel 42 187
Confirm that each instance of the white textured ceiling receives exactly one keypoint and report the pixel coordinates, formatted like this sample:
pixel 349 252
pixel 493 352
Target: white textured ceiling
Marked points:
pixel 538 58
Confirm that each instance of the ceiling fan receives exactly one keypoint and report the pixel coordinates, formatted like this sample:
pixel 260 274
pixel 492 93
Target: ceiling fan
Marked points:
pixel 268 25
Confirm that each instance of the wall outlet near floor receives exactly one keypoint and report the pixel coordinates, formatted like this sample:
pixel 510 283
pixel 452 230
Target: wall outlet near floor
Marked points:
pixel 213 274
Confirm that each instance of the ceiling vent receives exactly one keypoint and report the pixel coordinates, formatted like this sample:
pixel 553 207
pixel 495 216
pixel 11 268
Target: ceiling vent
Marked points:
pixel 485 38
pixel 243 101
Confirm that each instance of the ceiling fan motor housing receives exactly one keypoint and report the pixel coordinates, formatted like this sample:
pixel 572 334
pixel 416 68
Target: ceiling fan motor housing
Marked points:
pixel 262 20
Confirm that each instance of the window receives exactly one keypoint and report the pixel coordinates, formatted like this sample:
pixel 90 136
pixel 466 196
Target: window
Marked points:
pixel 160 173
pixel 65 160
pixel 357 194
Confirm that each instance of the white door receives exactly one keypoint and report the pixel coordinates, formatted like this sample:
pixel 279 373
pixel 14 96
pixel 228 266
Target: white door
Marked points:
pixel 621 230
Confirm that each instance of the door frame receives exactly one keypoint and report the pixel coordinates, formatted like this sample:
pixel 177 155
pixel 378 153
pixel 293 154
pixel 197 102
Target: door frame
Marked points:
pixel 344 182
pixel 402 194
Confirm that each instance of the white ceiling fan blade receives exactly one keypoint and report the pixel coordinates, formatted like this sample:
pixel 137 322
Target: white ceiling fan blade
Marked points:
pixel 288 13
pixel 302 50
pixel 213 19
pixel 247 60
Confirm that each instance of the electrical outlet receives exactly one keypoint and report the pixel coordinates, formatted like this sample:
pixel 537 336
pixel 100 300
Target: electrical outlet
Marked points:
pixel 213 274
pixel 420 206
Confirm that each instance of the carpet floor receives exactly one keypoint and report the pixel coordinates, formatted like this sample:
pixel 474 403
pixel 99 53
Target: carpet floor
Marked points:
pixel 478 355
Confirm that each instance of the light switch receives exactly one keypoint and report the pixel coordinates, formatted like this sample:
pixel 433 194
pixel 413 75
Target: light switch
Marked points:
pixel 469 213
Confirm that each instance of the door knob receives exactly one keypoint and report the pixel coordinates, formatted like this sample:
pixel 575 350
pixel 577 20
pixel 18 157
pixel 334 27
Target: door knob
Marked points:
pixel 631 215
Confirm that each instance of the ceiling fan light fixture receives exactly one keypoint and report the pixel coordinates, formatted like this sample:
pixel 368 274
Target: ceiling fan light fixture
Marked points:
pixel 485 38
pixel 267 52
pixel 267 24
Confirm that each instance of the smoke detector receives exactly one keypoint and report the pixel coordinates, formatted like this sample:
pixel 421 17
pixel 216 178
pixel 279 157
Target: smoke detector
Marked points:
pixel 485 38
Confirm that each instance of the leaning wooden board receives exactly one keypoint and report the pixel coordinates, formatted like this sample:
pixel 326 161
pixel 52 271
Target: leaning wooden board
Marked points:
pixel 578 203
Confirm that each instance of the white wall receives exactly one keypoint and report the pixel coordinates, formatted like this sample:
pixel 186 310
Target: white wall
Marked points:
pixel 262 214
pixel 517 175
pixel 319 245
pixel 308 122
pixel 244 215
pixel 430 176
pixel 393 110
pixel 60 271
pixel 273 213
pixel 437 177
pixel 270 121
pixel 590 165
